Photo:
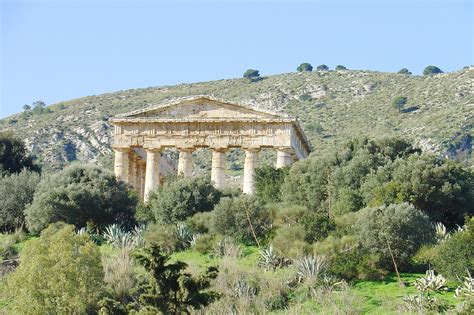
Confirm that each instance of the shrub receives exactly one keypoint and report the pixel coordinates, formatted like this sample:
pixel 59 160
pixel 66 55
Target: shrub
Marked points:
pixel 78 195
pixel 242 218
pixel 398 230
pixel 399 102
pixel 17 191
pixel 164 236
pixel 455 256
pixel 287 214
pixel 289 241
pixel 14 156
pixel 251 75
pixel 201 222
pixel 404 71
pixel 182 198
pixel 356 263
pixel 60 272
pixel 430 70
pixel 317 226
pixel 322 68
pixel 268 181
pixel 119 276
pixel 305 67
pixel 204 243
pixel 341 67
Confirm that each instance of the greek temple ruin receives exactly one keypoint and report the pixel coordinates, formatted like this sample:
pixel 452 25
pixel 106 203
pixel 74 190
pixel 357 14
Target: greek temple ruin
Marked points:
pixel 200 122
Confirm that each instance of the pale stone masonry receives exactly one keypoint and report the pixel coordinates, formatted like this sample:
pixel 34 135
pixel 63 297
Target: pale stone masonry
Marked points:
pixel 196 122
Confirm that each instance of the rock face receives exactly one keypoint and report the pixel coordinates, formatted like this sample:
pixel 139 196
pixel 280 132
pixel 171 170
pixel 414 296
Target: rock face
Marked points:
pixel 331 105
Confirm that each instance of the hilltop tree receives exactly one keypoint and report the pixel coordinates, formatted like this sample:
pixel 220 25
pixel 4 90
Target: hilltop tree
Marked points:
pixel 341 67
pixel 13 155
pixel 322 67
pixel 305 67
pixel 404 71
pixel 26 107
pixel 252 75
pixel 430 70
pixel 399 102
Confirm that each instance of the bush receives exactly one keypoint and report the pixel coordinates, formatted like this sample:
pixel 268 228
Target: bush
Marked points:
pixel 317 226
pixel 305 67
pixel 397 229
pixel 289 242
pixel 17 191
pixel 341 67
pixel 201 222
pixel 182 198
pixel 404 71
pixel 356 264
pixel 322 68
pixel 81 195
pixel 242 218
pixel 268 181
pixel 251 75
pixel 430 70
pixel 286 215
pixel 14 156
pixel 455 256
pixel 205 243
pixel 164 236
pixel 60 272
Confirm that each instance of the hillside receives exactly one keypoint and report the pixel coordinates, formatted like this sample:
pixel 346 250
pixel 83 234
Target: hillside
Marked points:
pixel 332 107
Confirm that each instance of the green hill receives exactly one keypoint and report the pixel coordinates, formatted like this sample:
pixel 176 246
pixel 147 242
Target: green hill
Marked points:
pixel 331 105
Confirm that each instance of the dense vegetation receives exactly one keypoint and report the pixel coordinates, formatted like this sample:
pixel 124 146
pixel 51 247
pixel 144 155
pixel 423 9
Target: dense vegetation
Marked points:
pixel 309 240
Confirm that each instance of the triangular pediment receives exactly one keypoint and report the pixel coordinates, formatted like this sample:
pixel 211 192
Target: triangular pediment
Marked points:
pixel 202 107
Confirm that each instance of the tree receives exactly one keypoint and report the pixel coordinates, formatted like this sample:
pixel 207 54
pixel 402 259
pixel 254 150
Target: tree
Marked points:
pixel 13 155
pixel 268 181
pixel 26 107
pixel 81 195
pixel 322 68
pixel 430 70
pixel 341 67
pixel 404 71
pixel 305 67
pixel 17 192
pixel 252 75
pixel 394 232
pixel 399 102
pixel 60 272
pixel 170 290
pixel 242 218
pixel 441 188
pixel 182 198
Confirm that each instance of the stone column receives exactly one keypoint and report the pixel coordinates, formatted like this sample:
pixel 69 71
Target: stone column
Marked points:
pixel 121 163
pixel 251 159
pixel 152 176
pixel 218 167
pixel 283 158
pixel 141 178
pixel 185 162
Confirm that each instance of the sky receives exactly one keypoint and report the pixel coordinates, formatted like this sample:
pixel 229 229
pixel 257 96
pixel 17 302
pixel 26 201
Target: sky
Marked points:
pixel 60 50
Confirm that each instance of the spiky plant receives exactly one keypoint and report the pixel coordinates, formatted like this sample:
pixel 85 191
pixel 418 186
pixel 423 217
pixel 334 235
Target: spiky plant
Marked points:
pixel 113 234
pixel 431 282
pixel 420 303
pixel 466 290
pixel 310 268
pixel 184 234
pixel 226 247
pixel 441 232
pixel 269 260
pixel 243 289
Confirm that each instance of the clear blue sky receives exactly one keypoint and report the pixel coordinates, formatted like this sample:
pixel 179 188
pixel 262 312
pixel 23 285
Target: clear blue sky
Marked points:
pixel 59 50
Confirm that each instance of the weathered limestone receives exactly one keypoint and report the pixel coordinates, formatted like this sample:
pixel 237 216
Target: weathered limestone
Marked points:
pixel 121 163
pixel 152 176
pixel 251 159
pixel 185 162
pixel 204 122
pixel 283 158
pixel 218 167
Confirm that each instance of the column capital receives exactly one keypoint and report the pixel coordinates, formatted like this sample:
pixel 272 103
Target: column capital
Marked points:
pixel 220 149
pixel 152 149
pixel 285 149
pixel 186 149
pixel 121 149
pixel 251 149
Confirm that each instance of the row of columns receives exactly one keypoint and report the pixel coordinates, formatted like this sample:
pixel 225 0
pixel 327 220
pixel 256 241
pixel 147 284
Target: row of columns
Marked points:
pixel 145 176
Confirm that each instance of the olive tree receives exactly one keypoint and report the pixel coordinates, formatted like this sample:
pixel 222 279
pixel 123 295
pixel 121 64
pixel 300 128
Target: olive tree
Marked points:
pixel 305 67
pixel 81 195
pixel 430 70
pixel 394 232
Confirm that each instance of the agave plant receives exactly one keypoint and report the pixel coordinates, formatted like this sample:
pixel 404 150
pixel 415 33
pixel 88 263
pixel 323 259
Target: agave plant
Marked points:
pixel 431 282
pixel 466 290
pixel 184 234
pixel 420 303
pixel 243 289
pixel 441 232
pixel 118 237
pixel 225 247
pixel 269 260
pixel 309 268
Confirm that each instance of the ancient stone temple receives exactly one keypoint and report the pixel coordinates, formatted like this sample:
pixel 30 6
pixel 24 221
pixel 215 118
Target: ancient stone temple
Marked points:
pixel 195 122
